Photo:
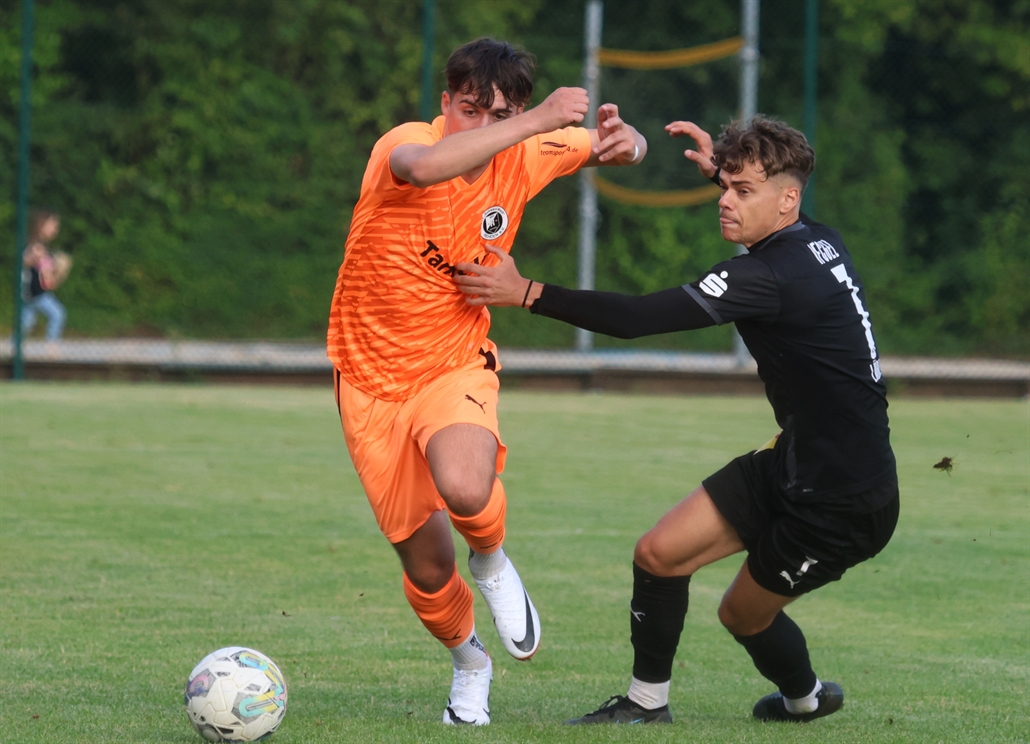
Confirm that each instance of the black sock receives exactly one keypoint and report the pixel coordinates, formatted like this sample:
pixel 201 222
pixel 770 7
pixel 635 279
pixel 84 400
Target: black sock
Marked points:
pixel 781 656
pixel 657 610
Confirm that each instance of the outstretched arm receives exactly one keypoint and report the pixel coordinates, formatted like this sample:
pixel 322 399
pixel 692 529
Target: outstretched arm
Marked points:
pixel 610 313
pixel 623 316
pixel 461 152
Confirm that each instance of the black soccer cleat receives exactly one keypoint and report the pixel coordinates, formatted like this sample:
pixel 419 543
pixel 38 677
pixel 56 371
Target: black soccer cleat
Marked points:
pixel 772 707
pixel 619 709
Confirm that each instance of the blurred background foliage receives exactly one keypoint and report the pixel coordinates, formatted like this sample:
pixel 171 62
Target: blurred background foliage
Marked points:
pixel 205 157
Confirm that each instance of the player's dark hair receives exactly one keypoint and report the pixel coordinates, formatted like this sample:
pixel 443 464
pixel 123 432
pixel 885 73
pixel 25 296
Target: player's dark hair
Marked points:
pixel 475 68
pixel 769 143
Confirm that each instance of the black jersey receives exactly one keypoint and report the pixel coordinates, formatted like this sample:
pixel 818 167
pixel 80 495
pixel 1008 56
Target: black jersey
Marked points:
pixel 799 306
pixel 31 283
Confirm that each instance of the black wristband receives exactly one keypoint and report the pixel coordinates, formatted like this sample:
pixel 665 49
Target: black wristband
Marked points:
pixel 716 177
pixel 526 297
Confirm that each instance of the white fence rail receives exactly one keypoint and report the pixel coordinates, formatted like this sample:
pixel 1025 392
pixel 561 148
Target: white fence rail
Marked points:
pixel 271 358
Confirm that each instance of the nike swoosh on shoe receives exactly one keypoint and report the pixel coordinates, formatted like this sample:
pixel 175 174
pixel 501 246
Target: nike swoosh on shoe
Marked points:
pixel 526 644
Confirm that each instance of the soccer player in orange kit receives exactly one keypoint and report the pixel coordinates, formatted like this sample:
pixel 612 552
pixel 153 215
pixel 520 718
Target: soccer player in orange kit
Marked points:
pixel 415 373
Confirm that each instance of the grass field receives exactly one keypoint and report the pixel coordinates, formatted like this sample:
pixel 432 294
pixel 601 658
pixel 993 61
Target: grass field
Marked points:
pixel 142 527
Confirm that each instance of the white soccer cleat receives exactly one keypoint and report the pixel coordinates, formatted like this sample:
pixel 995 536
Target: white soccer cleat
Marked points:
pixel 469 702
pixel 515 617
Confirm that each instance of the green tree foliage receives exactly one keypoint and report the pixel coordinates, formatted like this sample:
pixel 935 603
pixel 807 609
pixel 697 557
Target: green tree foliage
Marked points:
pixel 956 76
pixel 206 156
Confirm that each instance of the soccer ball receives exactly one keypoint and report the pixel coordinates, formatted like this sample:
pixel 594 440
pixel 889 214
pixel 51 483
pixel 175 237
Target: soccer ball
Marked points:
pixel 236 694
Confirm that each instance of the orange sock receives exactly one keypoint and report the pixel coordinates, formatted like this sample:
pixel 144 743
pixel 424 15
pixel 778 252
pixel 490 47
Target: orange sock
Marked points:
pixel 447 614
pixel 484 532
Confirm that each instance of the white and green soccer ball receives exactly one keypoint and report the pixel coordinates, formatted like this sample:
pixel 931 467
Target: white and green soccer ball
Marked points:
pixel 236 694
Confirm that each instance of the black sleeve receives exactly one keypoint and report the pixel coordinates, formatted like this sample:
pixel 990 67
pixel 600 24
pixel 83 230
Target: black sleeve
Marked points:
pixel 743 288
pixel 623 316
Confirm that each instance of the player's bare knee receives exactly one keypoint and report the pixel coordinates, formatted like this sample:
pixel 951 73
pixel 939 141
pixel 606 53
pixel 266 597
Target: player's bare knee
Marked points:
pixel 466 496
pixel 647 556
pixel 730 619
pixel 738 620
pixel 430 576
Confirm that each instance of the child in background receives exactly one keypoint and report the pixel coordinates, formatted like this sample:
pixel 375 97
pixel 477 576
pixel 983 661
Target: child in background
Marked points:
pixel 43 271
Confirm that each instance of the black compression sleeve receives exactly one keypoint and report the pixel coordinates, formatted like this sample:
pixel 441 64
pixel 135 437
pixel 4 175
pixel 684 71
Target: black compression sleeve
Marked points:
pixel 623 316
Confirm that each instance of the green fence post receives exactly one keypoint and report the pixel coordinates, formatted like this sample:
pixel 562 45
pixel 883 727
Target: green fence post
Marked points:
pixel 811 91
pixel 21 236
pixel 428 38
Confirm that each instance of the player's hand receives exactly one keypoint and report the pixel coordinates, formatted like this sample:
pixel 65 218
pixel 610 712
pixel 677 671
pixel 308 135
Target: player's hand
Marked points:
pixel 563 107
pixel 617 144
pixel 500 285
pixel 703 155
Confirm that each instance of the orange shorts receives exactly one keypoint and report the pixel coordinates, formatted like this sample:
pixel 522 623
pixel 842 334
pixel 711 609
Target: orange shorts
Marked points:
pixel 387 441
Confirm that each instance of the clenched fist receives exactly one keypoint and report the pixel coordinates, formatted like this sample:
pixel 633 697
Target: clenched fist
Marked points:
pixel 563 107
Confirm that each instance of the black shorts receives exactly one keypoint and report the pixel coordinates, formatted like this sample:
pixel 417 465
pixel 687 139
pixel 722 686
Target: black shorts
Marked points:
pixel 795 548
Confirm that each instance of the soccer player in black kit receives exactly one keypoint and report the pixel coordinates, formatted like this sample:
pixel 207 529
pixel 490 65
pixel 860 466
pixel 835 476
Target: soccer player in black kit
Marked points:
pixel 818 499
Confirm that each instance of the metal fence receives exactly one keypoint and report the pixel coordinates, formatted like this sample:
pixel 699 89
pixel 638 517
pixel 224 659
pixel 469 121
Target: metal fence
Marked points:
pixel 644 371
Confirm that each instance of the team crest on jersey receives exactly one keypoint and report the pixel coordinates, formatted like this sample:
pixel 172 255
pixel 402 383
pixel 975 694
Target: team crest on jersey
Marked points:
pixel 495 222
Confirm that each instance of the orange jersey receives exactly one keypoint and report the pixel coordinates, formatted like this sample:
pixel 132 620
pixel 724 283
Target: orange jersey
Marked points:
pixel 397 319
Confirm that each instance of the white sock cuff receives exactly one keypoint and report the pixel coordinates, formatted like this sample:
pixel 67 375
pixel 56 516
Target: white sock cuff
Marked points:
pixel 470 653
pixel 807 704
pixel 649 695
pixel 485 565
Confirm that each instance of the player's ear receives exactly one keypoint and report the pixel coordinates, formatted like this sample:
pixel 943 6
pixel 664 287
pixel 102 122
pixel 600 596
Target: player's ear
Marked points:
pixel 790 198
pixel 445 102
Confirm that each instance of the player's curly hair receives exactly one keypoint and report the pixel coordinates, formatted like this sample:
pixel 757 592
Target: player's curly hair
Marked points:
pixel 770 143
pixel 474 68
